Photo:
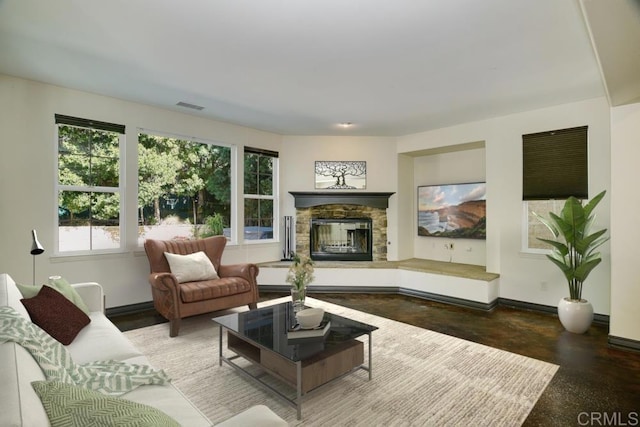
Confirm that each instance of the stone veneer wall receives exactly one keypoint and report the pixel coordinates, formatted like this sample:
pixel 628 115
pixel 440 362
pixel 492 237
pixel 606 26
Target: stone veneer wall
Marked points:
pixel 378 222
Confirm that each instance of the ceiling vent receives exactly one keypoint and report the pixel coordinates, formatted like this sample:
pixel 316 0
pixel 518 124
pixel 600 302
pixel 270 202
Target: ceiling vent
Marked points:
pixel 187 105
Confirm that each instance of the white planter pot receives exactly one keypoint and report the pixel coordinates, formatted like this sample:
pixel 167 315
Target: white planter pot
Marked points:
pixel 575 316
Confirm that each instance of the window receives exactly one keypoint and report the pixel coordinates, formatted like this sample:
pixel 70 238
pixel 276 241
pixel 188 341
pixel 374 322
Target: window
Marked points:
pixel 184 188
pixel 88 185
pixel 260 184
pixel 554 167
pixel 535 229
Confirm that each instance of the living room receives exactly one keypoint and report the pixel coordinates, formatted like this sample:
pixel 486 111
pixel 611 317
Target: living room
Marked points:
pixel 487 149
pixel 124 275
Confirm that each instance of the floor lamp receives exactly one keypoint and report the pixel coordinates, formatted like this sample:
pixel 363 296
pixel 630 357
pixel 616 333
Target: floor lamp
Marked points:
pixel 36 249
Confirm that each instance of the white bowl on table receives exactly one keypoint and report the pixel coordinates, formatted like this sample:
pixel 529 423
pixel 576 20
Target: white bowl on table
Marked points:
pixel 310 318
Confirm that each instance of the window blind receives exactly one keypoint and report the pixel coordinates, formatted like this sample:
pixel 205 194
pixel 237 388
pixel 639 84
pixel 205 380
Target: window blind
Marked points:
pixel 86 123
pixel 555 164
pixel 268 153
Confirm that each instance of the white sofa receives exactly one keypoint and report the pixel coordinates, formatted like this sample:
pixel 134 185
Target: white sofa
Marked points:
pixel 100 340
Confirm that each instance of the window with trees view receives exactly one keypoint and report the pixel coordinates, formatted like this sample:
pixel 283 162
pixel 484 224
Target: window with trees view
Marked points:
pixel 88 186
pixel 260 173
pixel 184 188
pixel 535 228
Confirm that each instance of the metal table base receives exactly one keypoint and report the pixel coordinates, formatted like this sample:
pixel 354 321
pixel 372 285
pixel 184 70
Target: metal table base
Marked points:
pixel 297 401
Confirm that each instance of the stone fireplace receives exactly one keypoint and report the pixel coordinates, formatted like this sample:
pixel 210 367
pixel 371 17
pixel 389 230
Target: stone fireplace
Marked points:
pixel 357 220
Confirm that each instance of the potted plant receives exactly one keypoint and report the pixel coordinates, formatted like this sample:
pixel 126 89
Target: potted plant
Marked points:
pixel 299 276
pixel 573 251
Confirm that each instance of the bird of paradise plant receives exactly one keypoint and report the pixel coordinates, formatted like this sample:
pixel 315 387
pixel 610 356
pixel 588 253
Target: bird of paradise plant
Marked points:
pixel 573 251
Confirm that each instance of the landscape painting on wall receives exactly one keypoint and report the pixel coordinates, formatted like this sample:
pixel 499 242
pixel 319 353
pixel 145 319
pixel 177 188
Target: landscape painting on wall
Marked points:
pixel 453 210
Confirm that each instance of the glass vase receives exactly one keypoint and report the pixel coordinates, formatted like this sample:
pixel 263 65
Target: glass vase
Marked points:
pixel 297 297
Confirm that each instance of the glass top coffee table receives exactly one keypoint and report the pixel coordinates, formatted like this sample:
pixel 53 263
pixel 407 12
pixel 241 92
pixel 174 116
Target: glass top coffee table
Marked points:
pixel 260 337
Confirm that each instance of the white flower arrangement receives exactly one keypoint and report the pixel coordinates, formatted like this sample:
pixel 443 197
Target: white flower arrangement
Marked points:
pixel 301 272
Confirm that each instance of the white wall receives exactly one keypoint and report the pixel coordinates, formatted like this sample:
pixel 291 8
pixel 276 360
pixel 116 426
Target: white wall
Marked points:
pixel 27 174
pixel 625 204
pixel 400 230
pixel 522 275
pixel 298 156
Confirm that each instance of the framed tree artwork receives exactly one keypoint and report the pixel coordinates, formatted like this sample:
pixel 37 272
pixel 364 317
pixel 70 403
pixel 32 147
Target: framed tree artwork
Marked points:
pixel 341 175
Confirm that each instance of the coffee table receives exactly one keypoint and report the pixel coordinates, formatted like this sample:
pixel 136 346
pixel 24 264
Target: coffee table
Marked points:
pixel 260 337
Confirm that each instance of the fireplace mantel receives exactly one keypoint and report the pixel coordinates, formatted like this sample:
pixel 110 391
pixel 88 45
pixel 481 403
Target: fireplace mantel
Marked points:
pixel 307 199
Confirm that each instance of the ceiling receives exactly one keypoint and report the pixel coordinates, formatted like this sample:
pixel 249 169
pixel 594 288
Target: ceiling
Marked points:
pixel 300 67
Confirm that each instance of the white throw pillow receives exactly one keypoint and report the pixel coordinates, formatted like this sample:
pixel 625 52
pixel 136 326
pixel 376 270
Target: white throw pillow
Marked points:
pixel 192 267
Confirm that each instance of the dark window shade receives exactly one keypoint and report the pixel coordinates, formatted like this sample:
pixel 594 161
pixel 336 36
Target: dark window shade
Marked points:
pixel 268 153
pixel 555 164
pixel 86 123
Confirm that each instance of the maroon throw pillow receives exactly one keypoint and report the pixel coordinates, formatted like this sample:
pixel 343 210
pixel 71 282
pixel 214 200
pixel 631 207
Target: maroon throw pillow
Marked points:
pixel 56 315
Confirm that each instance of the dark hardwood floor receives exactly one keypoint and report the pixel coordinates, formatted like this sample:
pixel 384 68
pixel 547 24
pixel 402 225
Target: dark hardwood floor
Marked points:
pixel 596 385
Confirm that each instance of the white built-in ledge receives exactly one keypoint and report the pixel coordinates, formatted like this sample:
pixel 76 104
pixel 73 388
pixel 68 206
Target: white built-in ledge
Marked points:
pixel 460 284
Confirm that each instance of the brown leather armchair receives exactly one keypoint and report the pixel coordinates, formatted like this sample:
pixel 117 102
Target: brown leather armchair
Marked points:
pixel 235 286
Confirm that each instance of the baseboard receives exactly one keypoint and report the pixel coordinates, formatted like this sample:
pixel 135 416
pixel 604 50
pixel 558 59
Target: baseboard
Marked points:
pixel 615 342
pixel 522 305
pixel 448 300
pixel 124 310
pixel 387 290
pixel 600 319
pixel 315 289
pixel 624 343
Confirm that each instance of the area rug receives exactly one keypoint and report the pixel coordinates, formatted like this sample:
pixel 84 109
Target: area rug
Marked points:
pixel 420 378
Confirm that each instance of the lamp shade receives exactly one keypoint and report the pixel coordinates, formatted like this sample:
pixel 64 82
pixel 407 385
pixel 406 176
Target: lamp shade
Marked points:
pixel 36 247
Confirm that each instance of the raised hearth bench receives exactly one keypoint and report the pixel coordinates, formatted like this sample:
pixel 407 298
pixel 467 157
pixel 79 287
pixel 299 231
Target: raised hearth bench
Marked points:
pixel 453 283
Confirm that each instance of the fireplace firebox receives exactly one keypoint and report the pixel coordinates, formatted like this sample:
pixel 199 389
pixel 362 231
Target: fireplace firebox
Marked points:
pixel 341 239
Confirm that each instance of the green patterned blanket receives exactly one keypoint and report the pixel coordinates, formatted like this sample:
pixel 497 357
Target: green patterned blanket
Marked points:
pixel 108 377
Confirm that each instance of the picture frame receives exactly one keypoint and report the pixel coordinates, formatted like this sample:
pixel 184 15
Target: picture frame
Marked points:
pixel 453 210
pixel 340 175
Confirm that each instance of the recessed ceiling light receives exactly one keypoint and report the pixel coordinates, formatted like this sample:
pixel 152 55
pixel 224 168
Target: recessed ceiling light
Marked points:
pixel 345 124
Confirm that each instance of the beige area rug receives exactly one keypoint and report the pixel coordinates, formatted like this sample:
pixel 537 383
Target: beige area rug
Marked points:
pixel 420 378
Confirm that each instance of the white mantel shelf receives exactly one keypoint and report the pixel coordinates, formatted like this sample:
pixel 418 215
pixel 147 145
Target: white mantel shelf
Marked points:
pixel 307 199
